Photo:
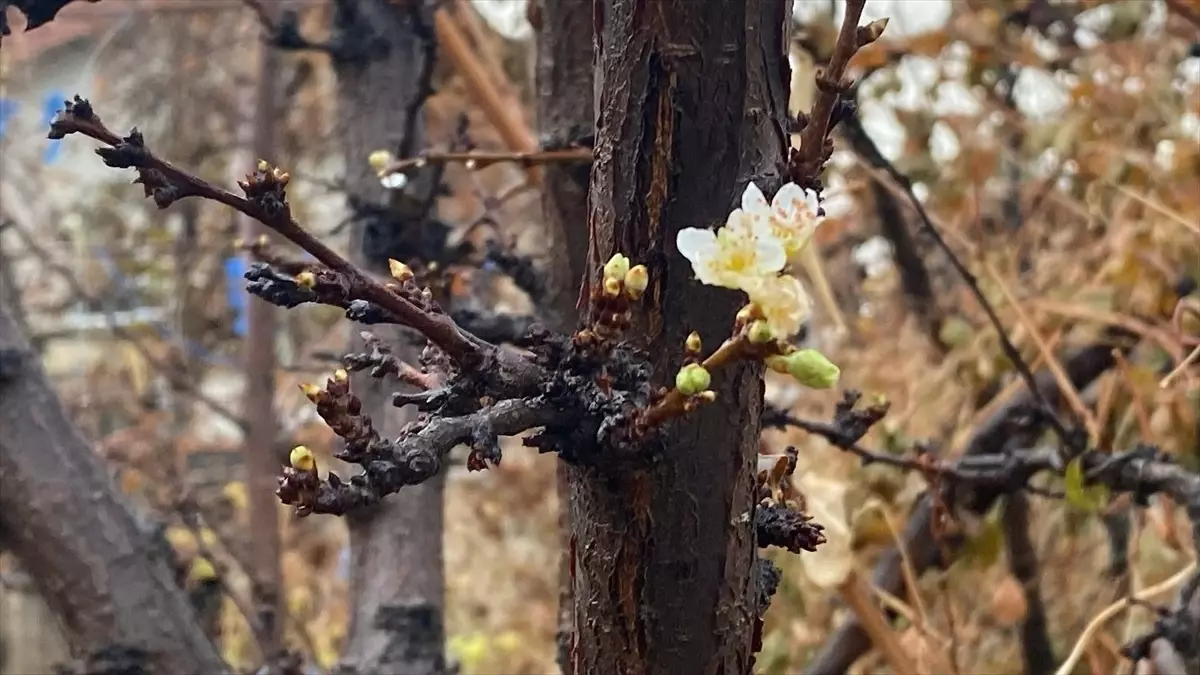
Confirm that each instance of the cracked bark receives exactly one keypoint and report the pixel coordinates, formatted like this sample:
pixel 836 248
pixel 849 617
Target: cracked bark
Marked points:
pixel 396 547
pixel 692 104
pixel 101 573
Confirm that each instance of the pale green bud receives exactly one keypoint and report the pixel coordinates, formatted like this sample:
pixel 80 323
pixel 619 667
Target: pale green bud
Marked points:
pixel 692 379
pixel 812 369
pixel 616 267
pixel 760 333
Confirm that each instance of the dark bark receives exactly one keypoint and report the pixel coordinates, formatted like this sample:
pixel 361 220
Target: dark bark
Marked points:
pixel 262 461
pixel 692 100
pixel 105 577
pixel 396 547
pixel 565 116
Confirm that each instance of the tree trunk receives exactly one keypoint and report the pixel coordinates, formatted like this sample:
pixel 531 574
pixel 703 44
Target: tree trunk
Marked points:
pixel 260 453
pixel 106 578
pixel 396 547
pixel 692 105
pixel 565 115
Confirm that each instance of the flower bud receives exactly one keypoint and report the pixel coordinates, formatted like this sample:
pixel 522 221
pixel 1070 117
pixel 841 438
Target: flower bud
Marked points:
pixel 612 287
pixel 636 281
pixel 399 271
pixel 616 267
pixel 263 166
pixel 302 459
pixel 692 379
pixel 312 391
pixel 871 32
pixel 201 571
pixel 379 160
pixel 341 375
pixel 306 280
pixel 812 369
pixel 692 344
pixel 760 333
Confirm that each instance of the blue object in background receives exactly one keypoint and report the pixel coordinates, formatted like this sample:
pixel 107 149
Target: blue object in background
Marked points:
pixel 235 268
pixel 8 108
pixel 51 104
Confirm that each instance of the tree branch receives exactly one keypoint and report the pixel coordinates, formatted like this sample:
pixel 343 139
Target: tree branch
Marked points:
pixel 266 202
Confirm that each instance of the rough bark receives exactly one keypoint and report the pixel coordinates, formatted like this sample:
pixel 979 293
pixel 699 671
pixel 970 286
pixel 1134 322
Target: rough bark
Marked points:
pixel 107 579
pixel 262 461
pixel 396 548
pixel 565 115
pixel 692 104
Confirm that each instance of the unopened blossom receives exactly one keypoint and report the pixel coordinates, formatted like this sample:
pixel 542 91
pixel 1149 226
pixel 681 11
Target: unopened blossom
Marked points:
pixel 792 214
pixel 735 256
pixel 783 303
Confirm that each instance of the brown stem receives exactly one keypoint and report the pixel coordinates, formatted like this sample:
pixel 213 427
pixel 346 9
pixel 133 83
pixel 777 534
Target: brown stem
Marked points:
pixel 481 158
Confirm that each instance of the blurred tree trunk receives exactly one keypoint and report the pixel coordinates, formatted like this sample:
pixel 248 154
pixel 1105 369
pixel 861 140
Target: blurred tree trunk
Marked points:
pixel 260 453
pixel 565 115
pixel 692 100
pixel 396 548
pixel 107 579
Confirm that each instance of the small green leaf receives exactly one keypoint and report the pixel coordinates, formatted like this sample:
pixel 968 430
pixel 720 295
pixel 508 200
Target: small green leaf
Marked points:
pixel 1086 498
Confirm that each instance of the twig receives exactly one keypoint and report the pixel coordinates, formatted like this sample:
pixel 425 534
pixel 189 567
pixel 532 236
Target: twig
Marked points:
pixel 858 598
pixel 454 46
pixel 849 641
pixel 477 159
pixel 1010 350
pixel 1052 364
pixel 410 459
pixel 1097 622
pixel 168 183
pixel 804 164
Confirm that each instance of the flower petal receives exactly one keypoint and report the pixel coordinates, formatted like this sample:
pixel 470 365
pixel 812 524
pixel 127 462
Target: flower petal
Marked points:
pixel 770 255
pixel 789 202
pixel 753 200
pixel 696 244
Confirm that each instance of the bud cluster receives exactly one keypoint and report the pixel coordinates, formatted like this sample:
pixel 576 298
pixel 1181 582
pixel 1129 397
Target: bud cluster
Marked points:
pixel 267 187
pixel 621 285
pixel 342 411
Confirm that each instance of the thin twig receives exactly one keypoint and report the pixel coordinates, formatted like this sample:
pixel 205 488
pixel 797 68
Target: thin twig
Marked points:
pixel 154 172
pixel 477 159
pixel 1097 622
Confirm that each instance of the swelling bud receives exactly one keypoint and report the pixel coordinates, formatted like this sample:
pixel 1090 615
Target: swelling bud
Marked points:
pixel 809 367
pixel 692 379
pixel 616 267
pixel 302 459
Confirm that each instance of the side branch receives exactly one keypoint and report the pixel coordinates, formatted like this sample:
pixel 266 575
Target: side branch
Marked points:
pixel 413 458
pixel 265 201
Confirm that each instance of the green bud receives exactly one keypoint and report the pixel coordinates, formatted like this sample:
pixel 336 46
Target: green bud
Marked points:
pixel 616 267
pixel 760 333
pixel 812 369
pixel 692 379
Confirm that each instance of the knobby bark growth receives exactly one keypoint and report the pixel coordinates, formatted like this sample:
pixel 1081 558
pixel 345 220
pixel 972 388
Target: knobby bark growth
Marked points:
pixel 104 574
pixel 396 571
pixel 692 100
